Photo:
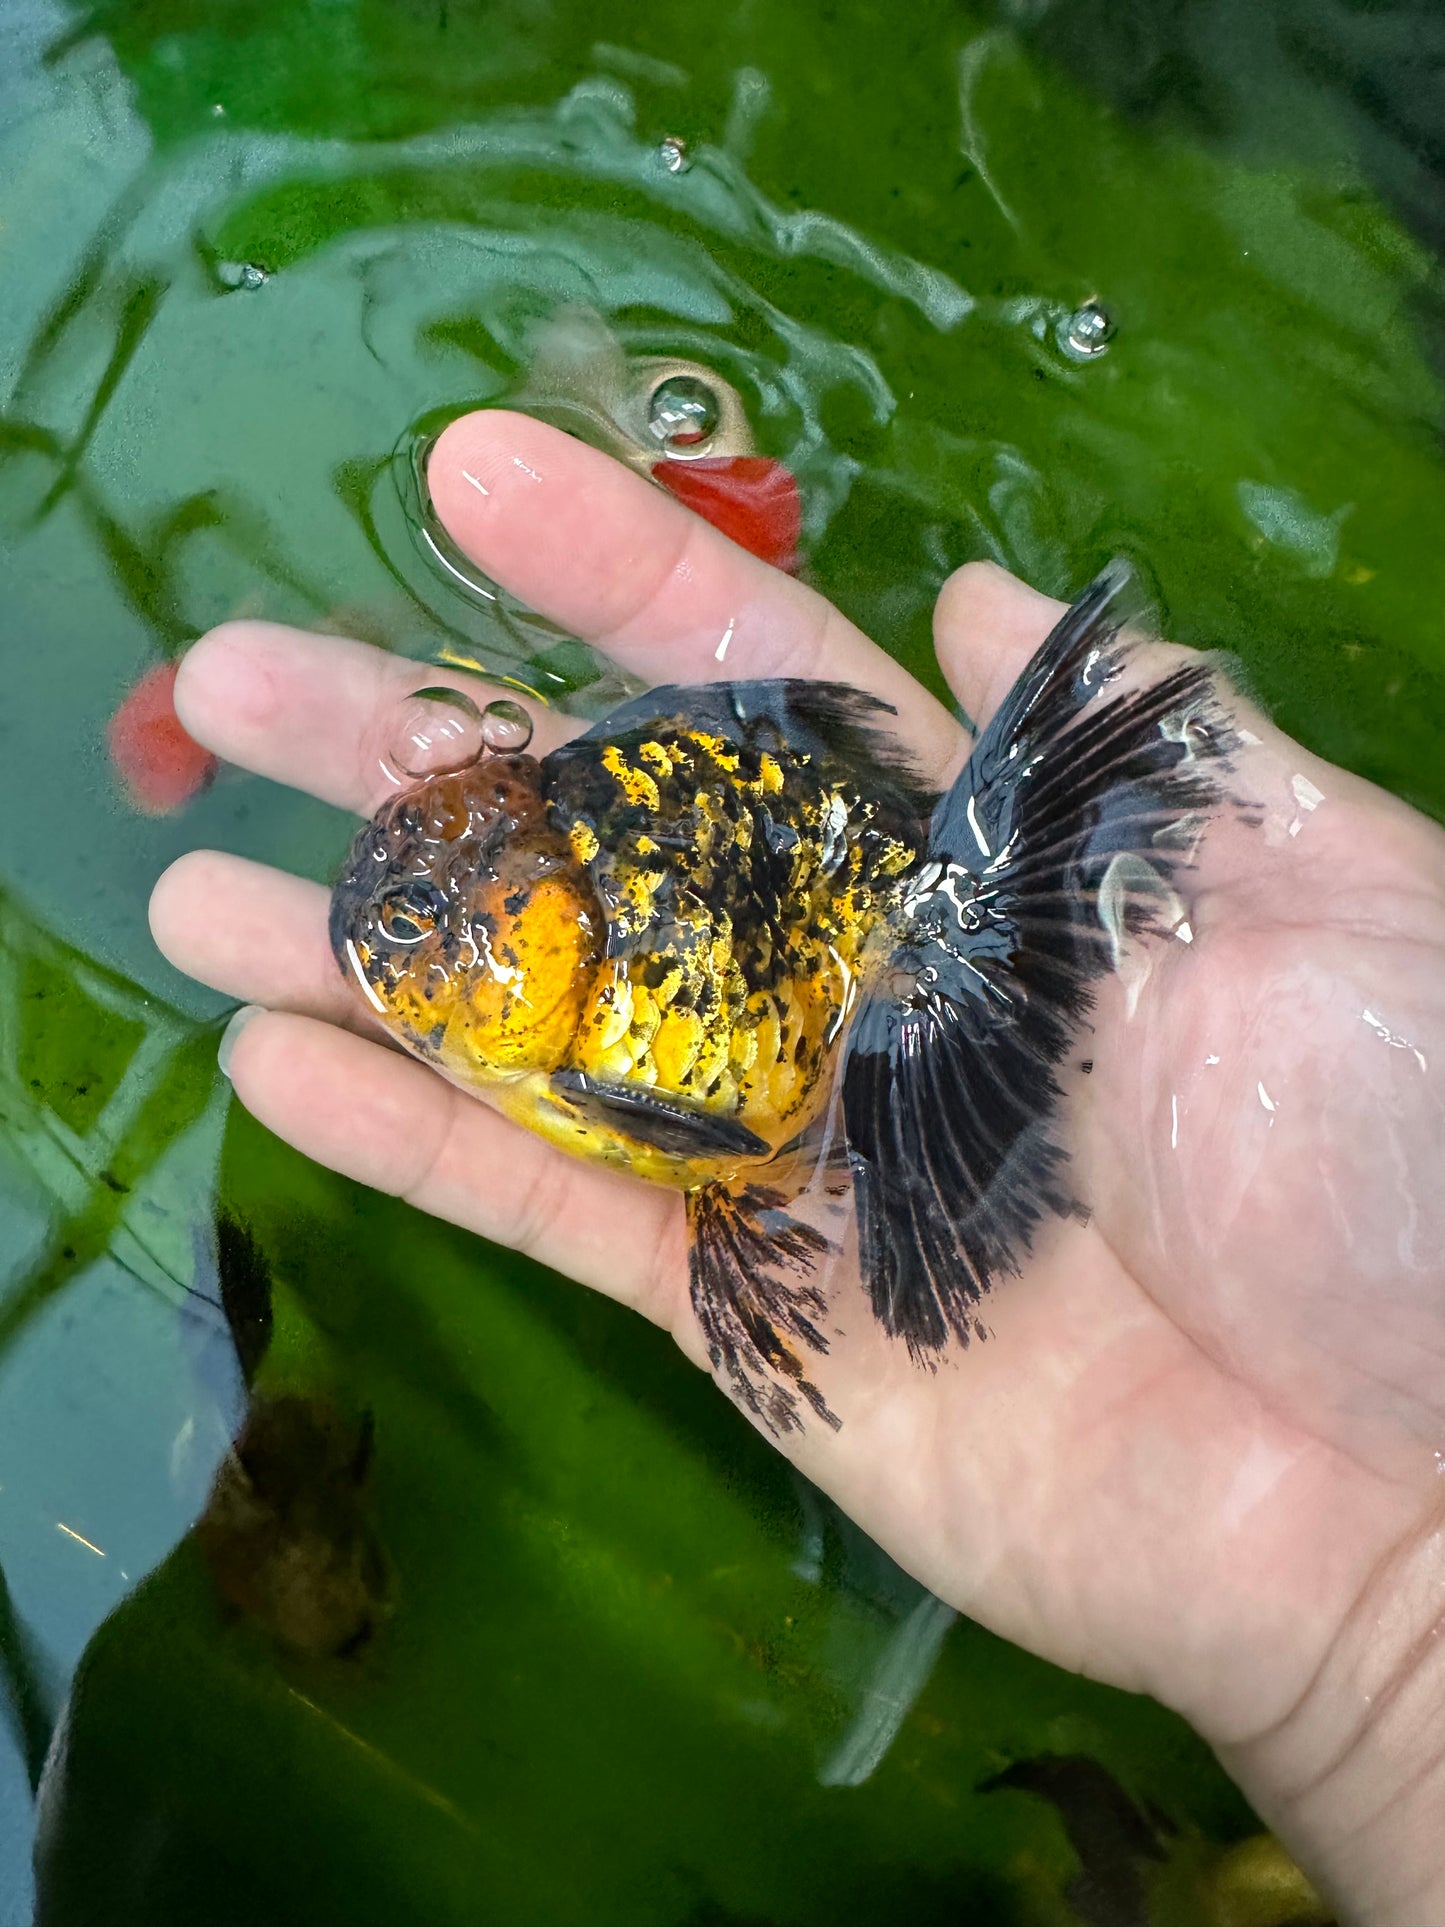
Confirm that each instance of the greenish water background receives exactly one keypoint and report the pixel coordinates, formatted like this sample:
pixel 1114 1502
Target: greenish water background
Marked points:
pixel 623 1648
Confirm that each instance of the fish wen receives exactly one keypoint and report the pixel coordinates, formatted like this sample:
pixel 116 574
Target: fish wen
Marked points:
pixel 667 945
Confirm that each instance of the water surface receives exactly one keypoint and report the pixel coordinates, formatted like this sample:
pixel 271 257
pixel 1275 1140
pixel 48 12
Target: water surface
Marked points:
pixel 628 1669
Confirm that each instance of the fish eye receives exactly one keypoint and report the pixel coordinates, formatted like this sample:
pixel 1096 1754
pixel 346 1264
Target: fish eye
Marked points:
pixel 410 912
pixel 683 412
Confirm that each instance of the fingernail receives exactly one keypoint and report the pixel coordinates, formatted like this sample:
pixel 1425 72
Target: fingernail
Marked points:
pixel 226 1049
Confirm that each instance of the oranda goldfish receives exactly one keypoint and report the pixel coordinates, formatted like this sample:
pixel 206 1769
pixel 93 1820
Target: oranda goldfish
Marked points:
pixel 666 944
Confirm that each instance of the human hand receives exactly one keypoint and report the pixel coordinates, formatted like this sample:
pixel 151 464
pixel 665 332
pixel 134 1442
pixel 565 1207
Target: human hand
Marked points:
pixel 1197 1454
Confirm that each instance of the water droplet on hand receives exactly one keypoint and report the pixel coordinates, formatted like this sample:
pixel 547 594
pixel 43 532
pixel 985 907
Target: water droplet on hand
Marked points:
pixel 437 732
pixel 672 152
pixel 506 727
pixel 683 412
pixel 1086 333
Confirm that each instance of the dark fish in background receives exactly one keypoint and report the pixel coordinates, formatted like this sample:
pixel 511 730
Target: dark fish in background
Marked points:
pixel 1137 1868
pixel 664 946
pixel 288 1533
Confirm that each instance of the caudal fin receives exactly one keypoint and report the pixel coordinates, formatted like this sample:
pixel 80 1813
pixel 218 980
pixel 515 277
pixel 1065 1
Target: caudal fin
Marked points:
pixel 1074 812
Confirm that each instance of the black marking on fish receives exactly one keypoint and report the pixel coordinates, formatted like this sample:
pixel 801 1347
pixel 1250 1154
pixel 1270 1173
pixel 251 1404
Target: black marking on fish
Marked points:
pixel 752 1314
pixel 950 1078
pixel 840 730
pixel 667 1123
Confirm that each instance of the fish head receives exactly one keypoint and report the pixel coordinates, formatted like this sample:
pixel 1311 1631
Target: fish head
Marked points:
pixel 469 925
pixel 678 422
pixel 638 408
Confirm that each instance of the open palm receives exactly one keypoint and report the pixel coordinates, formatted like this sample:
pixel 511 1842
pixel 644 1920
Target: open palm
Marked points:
pixel 1198 1452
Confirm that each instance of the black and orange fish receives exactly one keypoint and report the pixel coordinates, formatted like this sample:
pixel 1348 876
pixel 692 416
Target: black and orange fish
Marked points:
pixel 665 946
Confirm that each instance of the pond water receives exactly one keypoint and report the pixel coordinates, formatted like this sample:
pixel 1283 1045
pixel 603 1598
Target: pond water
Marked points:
pixel 624 1667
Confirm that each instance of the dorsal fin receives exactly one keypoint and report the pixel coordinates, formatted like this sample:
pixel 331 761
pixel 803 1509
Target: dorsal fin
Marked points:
pixel 840 729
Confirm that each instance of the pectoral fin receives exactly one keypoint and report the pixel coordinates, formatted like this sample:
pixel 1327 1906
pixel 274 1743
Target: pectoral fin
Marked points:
pixel 653 1117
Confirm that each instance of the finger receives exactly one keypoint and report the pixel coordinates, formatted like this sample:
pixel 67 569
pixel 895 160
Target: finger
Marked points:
pixel 596 548
pixel 394 1125
pixel 253 933
pixel 986 625
pixel 317 712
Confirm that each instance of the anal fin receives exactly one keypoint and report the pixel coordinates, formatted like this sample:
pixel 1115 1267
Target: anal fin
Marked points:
pixel 750 1264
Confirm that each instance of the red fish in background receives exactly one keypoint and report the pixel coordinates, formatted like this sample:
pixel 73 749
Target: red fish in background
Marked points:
pixel 161 767
pixel 752 499
pixel 676 422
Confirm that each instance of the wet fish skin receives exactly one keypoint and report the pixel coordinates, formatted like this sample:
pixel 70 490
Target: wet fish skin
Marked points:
pixel 646 945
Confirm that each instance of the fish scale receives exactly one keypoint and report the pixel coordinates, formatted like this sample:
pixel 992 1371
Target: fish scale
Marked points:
pixel 763 922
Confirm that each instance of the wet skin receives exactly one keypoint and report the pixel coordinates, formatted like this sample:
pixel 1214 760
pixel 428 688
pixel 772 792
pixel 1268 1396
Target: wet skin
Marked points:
pixel 1198 1453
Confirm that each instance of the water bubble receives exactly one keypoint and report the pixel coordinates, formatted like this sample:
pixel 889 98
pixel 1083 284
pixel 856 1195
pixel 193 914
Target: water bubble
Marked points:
pixel 241 274
pixel 437 732
pixel 1086 333
pixel 672 152
pixel 506 727
pixel 683 412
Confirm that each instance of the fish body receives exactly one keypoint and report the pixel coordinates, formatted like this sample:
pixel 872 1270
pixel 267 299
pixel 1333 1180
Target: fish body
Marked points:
pixel 159 765
pixel 668 944
pixel 646 946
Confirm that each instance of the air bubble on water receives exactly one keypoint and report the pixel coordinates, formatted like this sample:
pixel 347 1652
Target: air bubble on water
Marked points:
pixel 683 412
pixel 243 275
pixel 1085 334
pixel 437 732
pixel 506 727
pixel 672 152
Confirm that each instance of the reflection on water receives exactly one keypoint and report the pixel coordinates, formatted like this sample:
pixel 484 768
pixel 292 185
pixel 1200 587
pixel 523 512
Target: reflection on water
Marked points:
pixel 247 256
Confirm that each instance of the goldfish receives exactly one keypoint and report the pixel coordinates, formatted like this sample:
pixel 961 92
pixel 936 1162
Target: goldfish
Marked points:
pixel 730 937
pixel 677 422
pixel 159 764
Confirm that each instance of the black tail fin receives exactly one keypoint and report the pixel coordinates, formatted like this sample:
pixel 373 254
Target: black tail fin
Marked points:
pixel 1073 813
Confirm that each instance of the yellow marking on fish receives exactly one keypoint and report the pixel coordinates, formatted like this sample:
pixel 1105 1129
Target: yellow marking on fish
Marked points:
pixel 675 1047
pixel 583 840
pixel 636 785
pixel 655 754
pixel 715 746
